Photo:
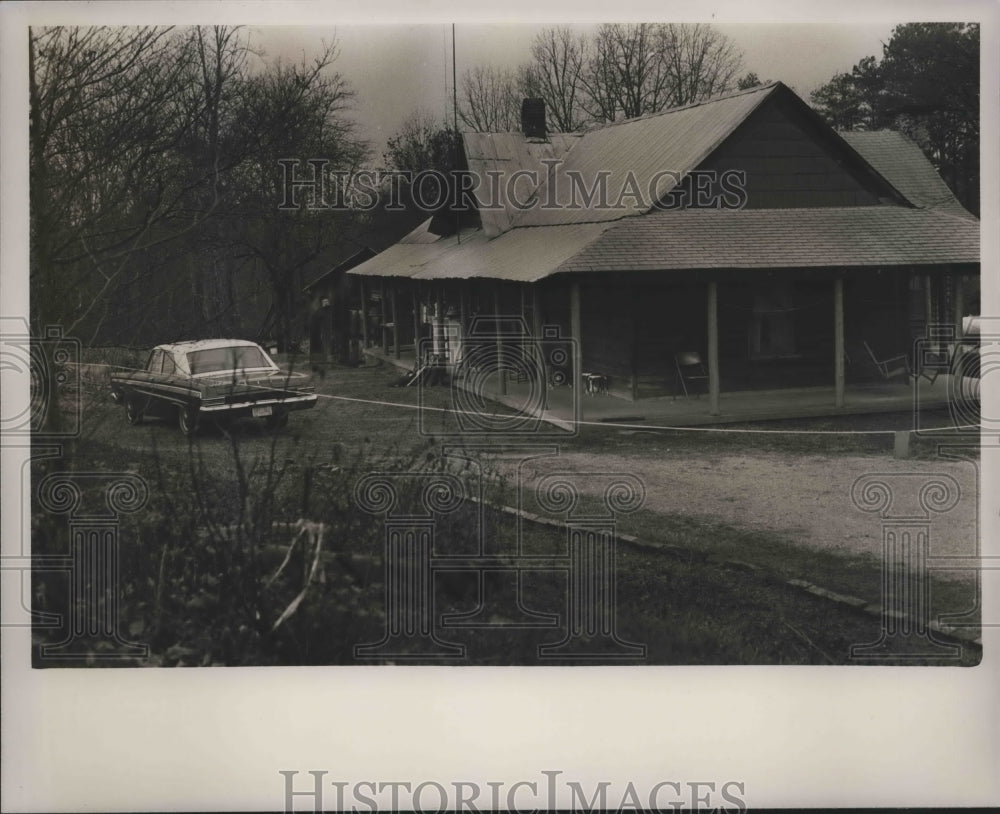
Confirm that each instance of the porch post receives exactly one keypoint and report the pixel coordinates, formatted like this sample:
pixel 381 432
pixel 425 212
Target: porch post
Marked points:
pixel 928 305
pixel 416 323
pixel 364 314
pixel 463 308
pixel 536 312
pixel 931 314
pixel 383 307
pixel 958 302
pixel 574 329
pixel 395 325
pixel 438 328
pixel 496 322
pixel 713 348
pixel 633 377
pixel 536 333
pixel 838 341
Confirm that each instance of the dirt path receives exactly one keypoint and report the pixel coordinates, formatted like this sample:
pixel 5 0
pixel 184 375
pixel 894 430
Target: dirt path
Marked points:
pixel 807 497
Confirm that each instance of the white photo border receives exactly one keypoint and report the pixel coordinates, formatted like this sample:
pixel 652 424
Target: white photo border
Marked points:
pixel 216 739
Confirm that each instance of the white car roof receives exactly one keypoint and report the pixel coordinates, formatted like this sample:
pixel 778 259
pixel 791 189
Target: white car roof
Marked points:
pixel 206 344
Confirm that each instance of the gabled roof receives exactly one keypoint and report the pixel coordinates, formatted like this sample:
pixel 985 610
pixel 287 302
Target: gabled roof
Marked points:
pixel 925 225
pixel 677 140
pixel 902 163
pixel 782 238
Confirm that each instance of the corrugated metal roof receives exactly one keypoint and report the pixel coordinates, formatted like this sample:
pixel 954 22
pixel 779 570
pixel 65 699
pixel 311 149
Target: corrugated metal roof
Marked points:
pixel 407 259
pixel 781 238
pixel 675 140
pixel 903 164
pixel 541 241
pixel 524 255
pixel 494 157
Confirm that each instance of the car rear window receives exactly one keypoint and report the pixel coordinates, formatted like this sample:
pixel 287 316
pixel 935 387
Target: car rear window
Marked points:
pixel 213 360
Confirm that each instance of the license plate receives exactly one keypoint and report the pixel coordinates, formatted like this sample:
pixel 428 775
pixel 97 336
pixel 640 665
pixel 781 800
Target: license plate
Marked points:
pixel 262 411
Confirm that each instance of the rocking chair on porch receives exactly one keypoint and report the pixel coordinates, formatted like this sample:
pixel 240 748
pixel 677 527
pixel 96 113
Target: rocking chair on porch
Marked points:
pixel 889 368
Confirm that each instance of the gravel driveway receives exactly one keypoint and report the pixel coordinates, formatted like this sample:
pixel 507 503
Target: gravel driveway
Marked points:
pixel 806 497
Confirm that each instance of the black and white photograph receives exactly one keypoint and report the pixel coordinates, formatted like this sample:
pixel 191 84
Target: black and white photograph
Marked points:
pixel 631 357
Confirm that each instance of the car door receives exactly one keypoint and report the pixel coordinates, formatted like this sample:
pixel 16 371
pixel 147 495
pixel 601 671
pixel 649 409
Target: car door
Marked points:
pixel 143 383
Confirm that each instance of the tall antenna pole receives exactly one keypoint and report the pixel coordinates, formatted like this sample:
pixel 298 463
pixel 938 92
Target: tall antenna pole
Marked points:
pixel 454 110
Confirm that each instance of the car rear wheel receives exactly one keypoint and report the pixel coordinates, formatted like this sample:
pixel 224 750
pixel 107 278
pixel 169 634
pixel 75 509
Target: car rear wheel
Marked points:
pixel 133 412
pixel 276 421
pixel 187 421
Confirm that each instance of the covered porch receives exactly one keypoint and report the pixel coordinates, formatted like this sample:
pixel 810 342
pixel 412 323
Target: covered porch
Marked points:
pixel 558 404
pixel 774 344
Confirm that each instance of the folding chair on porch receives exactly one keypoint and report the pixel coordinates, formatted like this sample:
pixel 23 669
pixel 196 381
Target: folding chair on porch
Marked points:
pixel 689 368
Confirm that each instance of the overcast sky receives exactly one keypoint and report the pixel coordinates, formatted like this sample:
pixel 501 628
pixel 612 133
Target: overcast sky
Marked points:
pixel 395 69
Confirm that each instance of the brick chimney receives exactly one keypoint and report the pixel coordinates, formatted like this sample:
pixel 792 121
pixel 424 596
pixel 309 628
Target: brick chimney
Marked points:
pixel 533 119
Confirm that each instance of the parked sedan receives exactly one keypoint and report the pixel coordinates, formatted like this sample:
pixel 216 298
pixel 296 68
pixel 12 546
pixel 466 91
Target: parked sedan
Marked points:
pixel 215 378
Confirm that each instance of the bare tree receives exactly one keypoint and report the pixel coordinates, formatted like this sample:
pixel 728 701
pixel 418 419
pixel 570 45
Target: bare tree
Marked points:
pixel 555 74
pixel 490 100
pixel 701 62
pixel 294 111
pixel 154 182
pixel 423 142
pixel 627 71
pixel 125 155
pixel 109 108
pixel 621 71
pixel 641 68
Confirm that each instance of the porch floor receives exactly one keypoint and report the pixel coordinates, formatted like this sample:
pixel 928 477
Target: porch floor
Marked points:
pixel 735 406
